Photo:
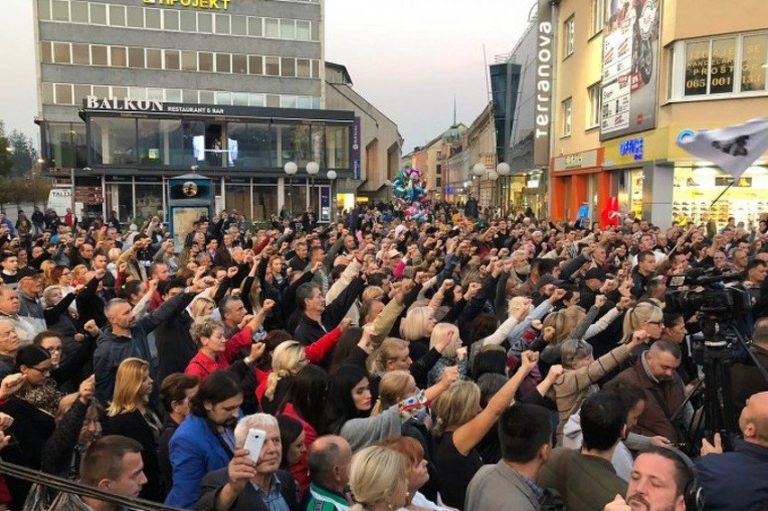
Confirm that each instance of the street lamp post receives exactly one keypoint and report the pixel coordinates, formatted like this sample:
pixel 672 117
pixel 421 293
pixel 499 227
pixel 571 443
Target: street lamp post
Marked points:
pixel 331 174
pixel 290 169
pixel 388 184
pixel 312 169
pixel 502 169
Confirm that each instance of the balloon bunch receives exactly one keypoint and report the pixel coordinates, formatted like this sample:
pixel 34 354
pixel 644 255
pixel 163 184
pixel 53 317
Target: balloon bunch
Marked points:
pixel 409 189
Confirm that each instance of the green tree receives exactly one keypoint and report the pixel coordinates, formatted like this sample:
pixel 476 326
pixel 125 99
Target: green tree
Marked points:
pixel 6 157
pixel 24 153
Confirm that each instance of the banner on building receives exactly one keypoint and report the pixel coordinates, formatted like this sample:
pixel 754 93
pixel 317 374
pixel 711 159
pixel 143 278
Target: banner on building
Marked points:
pixel 630 68
pixel 356 138
pixel 544 57
pixel 733 149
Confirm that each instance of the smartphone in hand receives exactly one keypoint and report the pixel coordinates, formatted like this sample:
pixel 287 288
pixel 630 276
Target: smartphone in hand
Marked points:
pixel 254 442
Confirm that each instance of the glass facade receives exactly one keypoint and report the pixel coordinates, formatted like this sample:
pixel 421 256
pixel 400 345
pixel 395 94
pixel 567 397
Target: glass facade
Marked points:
pixel 212 144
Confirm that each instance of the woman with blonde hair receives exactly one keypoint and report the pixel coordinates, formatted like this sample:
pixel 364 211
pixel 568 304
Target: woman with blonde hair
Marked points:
pixel 78 274
pixel 462 424
pixel 202 307
pixel 290 357
pixel 130 415
pixel 452 353
pixel 47 267
pixel 416 328
pixel 646 315
pixel 378 478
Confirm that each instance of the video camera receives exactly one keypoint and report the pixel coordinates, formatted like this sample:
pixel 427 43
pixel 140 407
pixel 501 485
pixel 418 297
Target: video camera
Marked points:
pixel 715 299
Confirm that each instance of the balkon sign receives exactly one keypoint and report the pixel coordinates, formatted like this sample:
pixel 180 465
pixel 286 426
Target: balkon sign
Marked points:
pixel 127 105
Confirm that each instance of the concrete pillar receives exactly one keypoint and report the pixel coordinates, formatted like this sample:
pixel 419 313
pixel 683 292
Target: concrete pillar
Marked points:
pixel 657 194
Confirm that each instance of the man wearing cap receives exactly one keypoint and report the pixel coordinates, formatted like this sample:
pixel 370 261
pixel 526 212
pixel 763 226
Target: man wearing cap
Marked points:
pixel 29 290
pixel 545 287
pixel 590 286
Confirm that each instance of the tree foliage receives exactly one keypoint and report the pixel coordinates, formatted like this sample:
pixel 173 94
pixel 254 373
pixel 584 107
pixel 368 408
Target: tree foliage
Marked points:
pixel 24 153
pixel 6 156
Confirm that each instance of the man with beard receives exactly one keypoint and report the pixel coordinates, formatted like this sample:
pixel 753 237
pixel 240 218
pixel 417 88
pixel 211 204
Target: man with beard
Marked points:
pixel 655 371
pixel 659 481
pixel 205 441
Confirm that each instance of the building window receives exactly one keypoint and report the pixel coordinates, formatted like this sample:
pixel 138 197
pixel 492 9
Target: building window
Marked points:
pixel 154 19
pixel 170 19
pixel 113 141
pixel 48 98
pixel 272 66
pixel 254 26
pixel 188 61
pixel 135 17
pixel 593 106
pixel 99 55
pixel 60 10
pixel 302 68
pixel 81 54
pixel 223 63
pixel 239 25
pixel 98 14
pixel 62 53
pixel 255 65
pixel 204 22
pixel 272 27
pixel 63 94
pixel 154 59
pixel 44 9
pixel 287 29
pixel 222 24
pixel 303 30
pixel 315 69
pixel 172 60
pixel 46 52
pixel 117 15
pixel 567 112
pixel 188 21
pixel 289 66
pixel 720 67
pixel 569 36
pixel 136 58
pixel 79 11
pixel 240 64
pixel 205 61
pixel 598 16
pixel 118 56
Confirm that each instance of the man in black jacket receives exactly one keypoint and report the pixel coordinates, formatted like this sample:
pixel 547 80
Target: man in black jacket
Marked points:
pixel 175 346
pixel 317 319
pixel 248 486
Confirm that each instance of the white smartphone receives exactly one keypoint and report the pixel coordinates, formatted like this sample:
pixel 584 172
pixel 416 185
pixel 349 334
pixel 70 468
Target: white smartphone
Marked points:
pixel 254 443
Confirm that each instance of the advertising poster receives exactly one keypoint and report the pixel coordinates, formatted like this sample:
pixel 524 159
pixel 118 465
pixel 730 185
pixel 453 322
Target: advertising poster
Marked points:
pixel 630 67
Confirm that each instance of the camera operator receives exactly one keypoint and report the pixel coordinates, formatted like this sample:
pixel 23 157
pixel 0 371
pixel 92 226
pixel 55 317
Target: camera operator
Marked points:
pixel 746 379
pixel 736 480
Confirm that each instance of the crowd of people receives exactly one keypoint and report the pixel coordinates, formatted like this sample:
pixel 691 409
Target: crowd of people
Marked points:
pixel 463 361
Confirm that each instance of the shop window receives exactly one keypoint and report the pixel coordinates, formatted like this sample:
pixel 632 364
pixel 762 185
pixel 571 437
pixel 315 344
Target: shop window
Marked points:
pixel 223 24
pixel 240 64
pixel 153 18
pixel 239 25
pixel 66 144
pixel 569 36
pixel 172 60
pixel 98 55
pixel 62 53
pixel 120 199
pixel 63 94
pixel 118 56
pixel 60 10
pixel 113 141
pixel 567 113
pixel 154 59
pixel 170 19
pixel 79 12
pixel 337 147
pixel 295 144
pixel 161 142
pixel 149 201
pixel 255 26
pixel 81 54
pixel 256 145
pixel 710 67
pixel 204 22
pixel 98 14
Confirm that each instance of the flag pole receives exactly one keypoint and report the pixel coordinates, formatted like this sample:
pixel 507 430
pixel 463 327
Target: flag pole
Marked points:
pixel 721 194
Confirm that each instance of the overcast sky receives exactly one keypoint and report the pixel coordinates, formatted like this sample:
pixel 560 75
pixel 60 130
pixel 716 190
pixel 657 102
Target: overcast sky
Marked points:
pixel 409 58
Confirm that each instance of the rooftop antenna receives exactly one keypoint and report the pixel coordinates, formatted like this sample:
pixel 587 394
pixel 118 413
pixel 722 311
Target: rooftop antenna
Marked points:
pixel 454 109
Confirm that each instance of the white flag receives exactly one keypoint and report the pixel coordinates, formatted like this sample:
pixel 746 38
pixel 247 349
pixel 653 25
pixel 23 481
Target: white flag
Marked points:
pixel 733 149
